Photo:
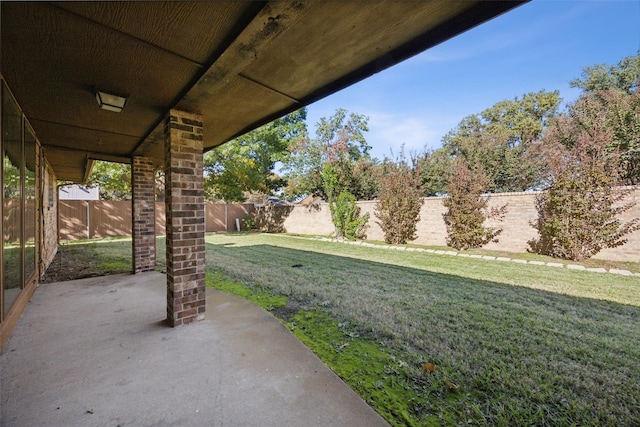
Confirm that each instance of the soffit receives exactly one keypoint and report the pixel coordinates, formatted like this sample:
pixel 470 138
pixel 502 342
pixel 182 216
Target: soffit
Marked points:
pixel 239 64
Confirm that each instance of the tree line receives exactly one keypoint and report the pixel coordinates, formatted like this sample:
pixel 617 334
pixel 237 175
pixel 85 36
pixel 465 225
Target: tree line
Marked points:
pixel 577 156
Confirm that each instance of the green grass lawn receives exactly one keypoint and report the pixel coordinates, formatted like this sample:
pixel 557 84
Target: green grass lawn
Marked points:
pixel 462 341
pixel 432 339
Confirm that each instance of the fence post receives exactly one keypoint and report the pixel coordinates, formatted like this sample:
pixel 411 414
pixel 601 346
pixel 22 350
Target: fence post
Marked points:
pixel 88 229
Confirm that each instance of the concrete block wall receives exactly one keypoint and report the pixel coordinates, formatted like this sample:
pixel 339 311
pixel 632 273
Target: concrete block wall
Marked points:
pixel 431 230
pixel 313 219
pixel 630 251
pixel 516 225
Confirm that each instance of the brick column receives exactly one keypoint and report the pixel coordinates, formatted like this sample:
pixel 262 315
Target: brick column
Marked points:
pixel 143 214
pixel 185 217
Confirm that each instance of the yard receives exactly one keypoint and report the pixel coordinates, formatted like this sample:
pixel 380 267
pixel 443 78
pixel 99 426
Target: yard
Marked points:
pixel 432 339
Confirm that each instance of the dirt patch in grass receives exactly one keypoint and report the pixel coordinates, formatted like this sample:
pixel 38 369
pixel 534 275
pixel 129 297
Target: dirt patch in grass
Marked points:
pixel 288 311
pixel 80 260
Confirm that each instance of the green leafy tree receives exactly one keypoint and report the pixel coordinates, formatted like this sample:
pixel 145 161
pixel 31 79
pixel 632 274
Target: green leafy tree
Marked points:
pixel 578 214
pixel 11 179
pixel 399 200
pixel 247 164
pixel 345 213
pixel 624 76
pixel 501 141
pixel 434 167
pixel 467 208
pixel 358 178
pixel 339 141
pixel 364 179
pixel 112 179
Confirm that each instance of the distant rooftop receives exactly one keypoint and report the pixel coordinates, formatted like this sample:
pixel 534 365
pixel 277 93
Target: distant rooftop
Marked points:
pixel 79 192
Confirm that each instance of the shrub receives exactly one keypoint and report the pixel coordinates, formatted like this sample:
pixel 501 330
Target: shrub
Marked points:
pixel 467 209
pixel 346 217
pixel 399 201
pixel 270 218
pixel 345 213
pixel 577 215
pixel 577 220
pixel 249 221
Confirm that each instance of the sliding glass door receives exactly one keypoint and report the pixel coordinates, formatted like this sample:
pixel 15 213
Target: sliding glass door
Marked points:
pixel 19 201
pixel 11 201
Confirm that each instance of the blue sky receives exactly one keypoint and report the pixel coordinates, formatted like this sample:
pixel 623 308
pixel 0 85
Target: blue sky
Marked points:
pixel 540 45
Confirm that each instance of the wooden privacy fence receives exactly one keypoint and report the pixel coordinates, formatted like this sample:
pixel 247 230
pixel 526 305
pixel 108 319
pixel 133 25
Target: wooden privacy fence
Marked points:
pixel 88 219
pixel 106 219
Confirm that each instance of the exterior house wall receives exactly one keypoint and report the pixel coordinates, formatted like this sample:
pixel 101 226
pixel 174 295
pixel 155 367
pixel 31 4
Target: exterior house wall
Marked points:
pixel 49 218
pixel 29 227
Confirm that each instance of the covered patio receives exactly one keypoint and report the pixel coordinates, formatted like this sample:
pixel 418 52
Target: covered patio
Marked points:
pixel 97 352
pixel 155 85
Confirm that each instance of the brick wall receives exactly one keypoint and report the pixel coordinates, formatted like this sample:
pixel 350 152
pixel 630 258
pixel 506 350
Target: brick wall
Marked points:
pixel 431 230
pixel 49 242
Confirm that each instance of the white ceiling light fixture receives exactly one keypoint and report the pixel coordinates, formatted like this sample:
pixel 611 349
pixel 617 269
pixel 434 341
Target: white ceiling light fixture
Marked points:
pixel 110 102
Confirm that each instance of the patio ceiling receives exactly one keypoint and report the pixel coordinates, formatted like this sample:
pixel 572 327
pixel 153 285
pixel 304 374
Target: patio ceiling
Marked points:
pixel 239 64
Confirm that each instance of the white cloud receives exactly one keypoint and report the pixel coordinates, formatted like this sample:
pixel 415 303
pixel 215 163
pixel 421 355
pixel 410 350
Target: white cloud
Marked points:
pixel 390 131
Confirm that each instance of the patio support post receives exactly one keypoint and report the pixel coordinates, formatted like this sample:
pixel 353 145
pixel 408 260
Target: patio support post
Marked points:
pixel 185 217
pixel 143 214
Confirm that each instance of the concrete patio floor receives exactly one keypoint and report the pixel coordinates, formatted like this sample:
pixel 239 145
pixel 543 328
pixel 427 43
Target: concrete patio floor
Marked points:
pixel 96 352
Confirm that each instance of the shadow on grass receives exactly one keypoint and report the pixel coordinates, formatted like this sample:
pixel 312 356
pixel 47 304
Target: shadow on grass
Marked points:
pixel 515 355
pixel 79 260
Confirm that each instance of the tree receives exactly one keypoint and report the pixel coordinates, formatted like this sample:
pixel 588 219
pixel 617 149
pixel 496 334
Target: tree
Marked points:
pixel 345 213
pixel 339 141
pixel 113 180
pixel 399 200
pixel 467 208
pixel 434 167
pixel 577 215
pixel 11 179
pixel 364 179
pixel 624 76
pixel 623 112
pixel 615 92
pixel 246 164
pixel 501 140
